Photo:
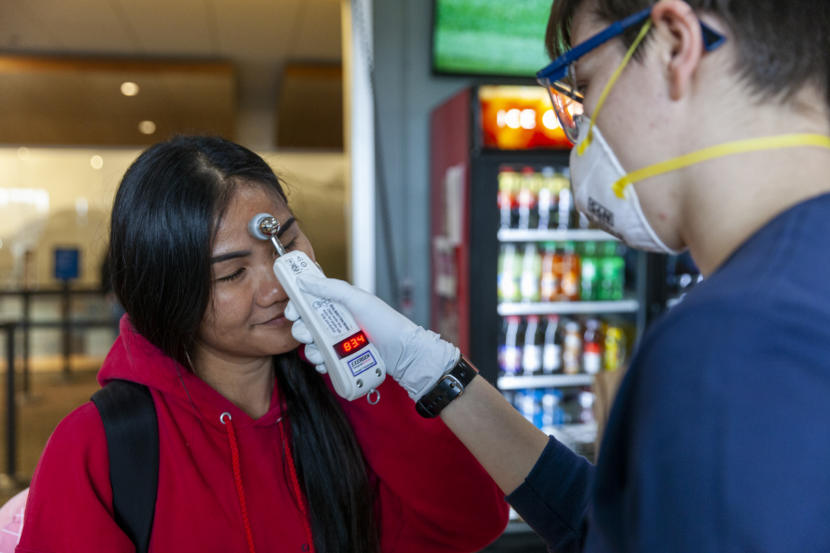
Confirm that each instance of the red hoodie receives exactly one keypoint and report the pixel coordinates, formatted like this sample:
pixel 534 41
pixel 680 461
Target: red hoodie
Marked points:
pixel 433 495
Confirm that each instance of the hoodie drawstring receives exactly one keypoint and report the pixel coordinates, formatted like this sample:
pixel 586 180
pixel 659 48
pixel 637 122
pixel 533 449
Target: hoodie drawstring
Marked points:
pixel 225 419
pixel 237 477
pixel 295 483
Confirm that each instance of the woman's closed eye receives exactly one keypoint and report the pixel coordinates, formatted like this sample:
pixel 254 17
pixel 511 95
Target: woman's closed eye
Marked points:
pixel 233 276
pixel 239 272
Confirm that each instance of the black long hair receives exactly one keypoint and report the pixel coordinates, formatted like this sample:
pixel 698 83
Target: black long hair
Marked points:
pixel 164 220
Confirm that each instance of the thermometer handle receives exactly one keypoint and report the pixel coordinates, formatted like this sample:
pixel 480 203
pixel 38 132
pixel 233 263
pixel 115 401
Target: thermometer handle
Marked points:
pixel 351 360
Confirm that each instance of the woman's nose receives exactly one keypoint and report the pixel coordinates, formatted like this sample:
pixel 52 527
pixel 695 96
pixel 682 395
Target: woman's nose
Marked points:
pixel 269 288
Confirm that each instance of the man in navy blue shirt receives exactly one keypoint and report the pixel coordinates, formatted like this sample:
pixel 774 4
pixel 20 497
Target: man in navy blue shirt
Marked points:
pixel 702 125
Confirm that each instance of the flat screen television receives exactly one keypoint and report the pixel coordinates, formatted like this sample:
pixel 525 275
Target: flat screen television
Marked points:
pixel 502 38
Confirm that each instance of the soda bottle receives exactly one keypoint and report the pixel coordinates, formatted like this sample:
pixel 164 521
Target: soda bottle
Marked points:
pixel 571 274
pixel 509 347
pixel 564 201
pixel 507 198
pixel 586 404
pixel 533 344
pixel 558 270
pixel 526 404
pixel 552 352
pixel 509 273
pixel 526 199
pixel 614 350
pixel 531 273
pixel 571 348
pixel 611 273
pixel 549 284
pixel 546 199
pixel 591 349
pixel 538 396
pixel 589 282
pixel 550 401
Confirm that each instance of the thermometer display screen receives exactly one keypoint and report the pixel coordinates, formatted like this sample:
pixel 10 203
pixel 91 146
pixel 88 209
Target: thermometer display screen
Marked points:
pixel 351 344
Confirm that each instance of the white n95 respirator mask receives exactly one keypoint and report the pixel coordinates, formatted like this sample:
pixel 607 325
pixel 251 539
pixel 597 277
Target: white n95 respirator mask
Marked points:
pixel 594 172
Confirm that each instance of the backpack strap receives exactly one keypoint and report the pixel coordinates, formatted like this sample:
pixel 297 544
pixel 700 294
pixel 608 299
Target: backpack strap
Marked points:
pixel 131 428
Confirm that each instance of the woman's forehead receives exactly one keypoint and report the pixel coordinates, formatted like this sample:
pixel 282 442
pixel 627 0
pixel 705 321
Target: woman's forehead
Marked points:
pixel 246 202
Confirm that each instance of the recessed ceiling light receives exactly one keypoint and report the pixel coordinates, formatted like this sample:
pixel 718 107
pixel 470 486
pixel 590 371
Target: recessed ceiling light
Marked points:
pixel 96 162
pixel 23 153
pixel 147 127
pixel 129 88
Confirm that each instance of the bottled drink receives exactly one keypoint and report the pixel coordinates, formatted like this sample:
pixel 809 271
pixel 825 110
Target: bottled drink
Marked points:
pixel 507 197
pixel 550 404
pixel 586 404
pixel 549 285
pixel 611 273
pixel 526 199
pixel 571 273
pixel 538 396
pixel 533 345
pixel 509 273
pixel 546 198
pixel 564 201
pixel 589 283
pixel 552 352
pixel 614 350
pixel 525 403
pixel 571 348
pixel 558 271
pixel 591 348
pixel 529 404
pixel 510 347
pixel 531 273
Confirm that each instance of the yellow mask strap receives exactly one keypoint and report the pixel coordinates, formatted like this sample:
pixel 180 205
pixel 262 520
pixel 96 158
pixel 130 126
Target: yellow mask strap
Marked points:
pixel 737 147
pixel 616 75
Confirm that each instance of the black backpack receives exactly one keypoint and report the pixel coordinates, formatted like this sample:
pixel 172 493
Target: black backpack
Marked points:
pixel 131 428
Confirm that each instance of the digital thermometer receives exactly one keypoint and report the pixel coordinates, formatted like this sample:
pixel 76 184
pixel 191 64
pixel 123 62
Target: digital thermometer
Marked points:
pixel 352 361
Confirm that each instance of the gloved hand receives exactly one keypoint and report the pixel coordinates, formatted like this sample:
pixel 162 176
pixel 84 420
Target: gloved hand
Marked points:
pixel 416 358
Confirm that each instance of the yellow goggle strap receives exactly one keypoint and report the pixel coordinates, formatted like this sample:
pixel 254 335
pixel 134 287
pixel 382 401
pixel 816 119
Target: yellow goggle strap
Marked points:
pixel 616 75
pixel 736 147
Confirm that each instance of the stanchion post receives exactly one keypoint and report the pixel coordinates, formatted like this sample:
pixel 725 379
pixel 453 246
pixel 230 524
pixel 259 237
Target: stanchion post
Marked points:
pixel 11 406
pixel 67 329
pixel 27 307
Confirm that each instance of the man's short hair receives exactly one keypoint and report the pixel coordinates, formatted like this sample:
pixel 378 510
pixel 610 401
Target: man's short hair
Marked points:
pixel 782 45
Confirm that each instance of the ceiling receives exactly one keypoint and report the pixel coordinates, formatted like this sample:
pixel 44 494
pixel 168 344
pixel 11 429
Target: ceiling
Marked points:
pixel 201 64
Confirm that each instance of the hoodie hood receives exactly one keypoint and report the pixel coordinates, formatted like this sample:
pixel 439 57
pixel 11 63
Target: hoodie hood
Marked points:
pixel 133 358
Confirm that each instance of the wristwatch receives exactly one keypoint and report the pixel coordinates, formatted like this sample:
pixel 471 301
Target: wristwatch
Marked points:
pixel 448 387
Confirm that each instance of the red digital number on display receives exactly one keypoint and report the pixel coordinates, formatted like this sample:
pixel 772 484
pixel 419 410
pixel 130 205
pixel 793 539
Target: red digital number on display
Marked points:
pixel 351 344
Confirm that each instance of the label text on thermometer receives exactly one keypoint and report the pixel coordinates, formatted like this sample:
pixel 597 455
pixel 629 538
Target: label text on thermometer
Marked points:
pixel 362 363
pixel 330 315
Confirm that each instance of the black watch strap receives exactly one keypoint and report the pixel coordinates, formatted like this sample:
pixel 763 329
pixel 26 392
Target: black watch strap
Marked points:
pixel 448 387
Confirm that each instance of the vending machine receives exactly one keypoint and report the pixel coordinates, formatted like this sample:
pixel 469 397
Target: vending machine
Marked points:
pixel 542 303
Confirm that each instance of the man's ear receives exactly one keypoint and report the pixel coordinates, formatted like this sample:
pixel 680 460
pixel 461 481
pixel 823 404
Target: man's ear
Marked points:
pixel 683 39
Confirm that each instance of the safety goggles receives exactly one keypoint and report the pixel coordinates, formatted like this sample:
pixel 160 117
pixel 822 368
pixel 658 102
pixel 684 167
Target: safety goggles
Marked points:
pixel 559 76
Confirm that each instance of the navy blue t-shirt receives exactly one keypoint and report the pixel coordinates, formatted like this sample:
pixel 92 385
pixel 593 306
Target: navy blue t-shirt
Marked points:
pixel 719 440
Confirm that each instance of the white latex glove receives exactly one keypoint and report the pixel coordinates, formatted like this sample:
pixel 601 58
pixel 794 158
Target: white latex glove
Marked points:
pixel 416 358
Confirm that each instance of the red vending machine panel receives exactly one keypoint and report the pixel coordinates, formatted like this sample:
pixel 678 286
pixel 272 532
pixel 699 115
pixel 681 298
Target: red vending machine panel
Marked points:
pixel 450 142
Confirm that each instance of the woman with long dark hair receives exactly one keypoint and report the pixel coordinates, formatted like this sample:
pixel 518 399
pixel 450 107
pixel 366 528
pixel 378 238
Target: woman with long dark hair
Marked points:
pixel 256 452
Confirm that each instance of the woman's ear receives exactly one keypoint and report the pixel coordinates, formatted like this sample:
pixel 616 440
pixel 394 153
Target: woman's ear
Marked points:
pixel 679 28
